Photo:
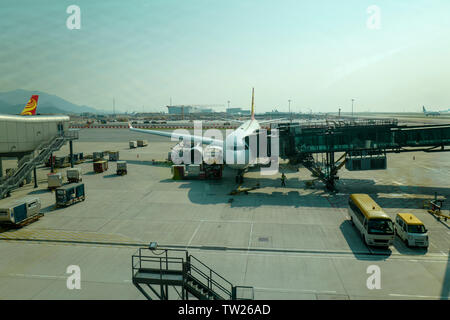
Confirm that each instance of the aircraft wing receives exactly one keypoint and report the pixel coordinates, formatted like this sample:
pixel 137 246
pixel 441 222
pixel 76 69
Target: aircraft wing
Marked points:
pixel 268 121
pixel 170 134
pixel 231 120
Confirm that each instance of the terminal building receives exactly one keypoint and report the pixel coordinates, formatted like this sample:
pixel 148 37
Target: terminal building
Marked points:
pixel 182 109
pixel 30 139
pixel 238 111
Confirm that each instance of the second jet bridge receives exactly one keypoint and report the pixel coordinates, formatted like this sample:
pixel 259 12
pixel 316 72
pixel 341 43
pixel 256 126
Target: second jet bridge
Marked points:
pixel 362 144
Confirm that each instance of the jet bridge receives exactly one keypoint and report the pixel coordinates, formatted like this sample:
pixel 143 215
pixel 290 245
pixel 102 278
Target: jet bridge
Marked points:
pixel 359 144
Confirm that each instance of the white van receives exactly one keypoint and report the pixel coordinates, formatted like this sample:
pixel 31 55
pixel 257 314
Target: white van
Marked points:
pixel 411 230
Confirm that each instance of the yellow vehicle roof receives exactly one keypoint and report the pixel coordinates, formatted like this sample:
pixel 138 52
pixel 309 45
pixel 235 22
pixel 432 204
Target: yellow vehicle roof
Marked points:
pixel 410 219
pixel 368 206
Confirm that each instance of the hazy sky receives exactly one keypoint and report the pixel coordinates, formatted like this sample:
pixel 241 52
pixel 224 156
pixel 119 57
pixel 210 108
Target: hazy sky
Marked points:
pixel 319 54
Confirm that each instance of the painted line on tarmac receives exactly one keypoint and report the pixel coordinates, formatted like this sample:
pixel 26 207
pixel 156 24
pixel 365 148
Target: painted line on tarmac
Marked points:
pixel 194 234
pixel 417 296
pixel 363 255
pixel 36 276
pixel 296 290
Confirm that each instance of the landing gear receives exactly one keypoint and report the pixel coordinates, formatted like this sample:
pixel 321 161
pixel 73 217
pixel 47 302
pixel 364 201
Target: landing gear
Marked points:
pixel 240 177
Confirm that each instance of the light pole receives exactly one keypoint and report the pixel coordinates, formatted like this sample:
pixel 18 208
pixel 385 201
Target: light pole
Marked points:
pixel 352 107
pixel 290 116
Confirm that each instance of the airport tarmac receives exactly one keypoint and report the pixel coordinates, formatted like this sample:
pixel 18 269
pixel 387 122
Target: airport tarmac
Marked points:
pixel 288 243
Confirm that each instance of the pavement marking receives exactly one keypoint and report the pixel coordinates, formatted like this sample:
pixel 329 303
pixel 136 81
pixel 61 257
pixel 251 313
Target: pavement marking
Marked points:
pixel 416 296
pixel 36 276
pixel 250 237
pixel 194 234
pixel 295 290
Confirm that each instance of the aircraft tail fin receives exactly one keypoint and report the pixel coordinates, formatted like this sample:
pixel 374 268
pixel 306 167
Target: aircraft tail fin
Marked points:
pixel 253 104
pixel 30 108
pixel 424 110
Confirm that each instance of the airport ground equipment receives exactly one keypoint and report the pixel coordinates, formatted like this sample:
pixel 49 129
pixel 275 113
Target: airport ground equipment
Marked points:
pixel 101 166
pixel 113 155
pixel 19 212
pixel 435 207
pixel 357 144
pixel 240 190
pixel 69 194
pixel 97 156
pixel 178 172
pixel 74 175
pixel 142 143
pixel 193 171
pixel 121 168
pixel 41 153
pixel 50 161
pixel 54 180
pixel 155 269
pixel 212 171
pixel 133 144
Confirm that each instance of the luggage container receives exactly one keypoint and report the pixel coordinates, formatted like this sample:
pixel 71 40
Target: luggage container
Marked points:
pixel 142 143
pixel 100 166
pixel 48 162
pixel 97 156
pixel 61 162
pixel 133 144
pixel 193 170
pixel 113 155
pixel 54 180
pixel 74 175
pixel 69 194
pixel 75 157
pixel 178 172
pixel 18 212
pixel 121 168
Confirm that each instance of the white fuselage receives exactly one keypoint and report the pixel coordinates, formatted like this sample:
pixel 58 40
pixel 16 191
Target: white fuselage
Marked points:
pixel 236 152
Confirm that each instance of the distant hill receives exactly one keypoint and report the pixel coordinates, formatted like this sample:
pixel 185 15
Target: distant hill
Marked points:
pixel 13 102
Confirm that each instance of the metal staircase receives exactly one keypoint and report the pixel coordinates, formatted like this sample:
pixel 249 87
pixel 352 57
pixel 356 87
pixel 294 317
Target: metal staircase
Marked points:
pixel 157 269
pixel 44 151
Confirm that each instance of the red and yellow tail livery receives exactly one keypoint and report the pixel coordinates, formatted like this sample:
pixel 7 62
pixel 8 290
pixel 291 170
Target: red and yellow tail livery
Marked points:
pixel 30 108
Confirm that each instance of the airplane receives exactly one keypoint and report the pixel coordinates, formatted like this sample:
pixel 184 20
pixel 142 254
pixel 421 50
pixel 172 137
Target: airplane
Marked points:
pixel 430 113
pixel 31 106
pixel 235 145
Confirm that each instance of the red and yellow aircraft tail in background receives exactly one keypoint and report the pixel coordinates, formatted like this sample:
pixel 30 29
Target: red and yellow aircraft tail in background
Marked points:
pixel 30 108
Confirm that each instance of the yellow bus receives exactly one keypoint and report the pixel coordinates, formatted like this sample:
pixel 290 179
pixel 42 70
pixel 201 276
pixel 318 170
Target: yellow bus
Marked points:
pixel 375 226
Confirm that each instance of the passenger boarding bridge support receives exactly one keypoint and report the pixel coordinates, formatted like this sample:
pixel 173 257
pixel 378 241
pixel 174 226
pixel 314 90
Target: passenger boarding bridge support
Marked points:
pixel 155 270
pixel 359 144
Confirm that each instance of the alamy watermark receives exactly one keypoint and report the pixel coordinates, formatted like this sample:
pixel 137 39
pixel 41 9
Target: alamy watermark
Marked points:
pixel 374 20
pixel 74 280
pixel 374 280
pixel 73 21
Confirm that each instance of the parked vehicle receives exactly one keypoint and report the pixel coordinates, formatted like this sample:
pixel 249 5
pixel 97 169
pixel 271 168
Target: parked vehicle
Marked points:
pixel 121 168
pixel 54 180
pixel 411 230
pixel 113 155
pixel 133 144
pixel 373 223
pixel 142 143
pixel 100 166
pixel 74 175
pixel 69 194
pixel 17 212
pixel 97 156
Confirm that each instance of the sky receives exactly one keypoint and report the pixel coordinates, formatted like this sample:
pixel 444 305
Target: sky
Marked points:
pixel 318 54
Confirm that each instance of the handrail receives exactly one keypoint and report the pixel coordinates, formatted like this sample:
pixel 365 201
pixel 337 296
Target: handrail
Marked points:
pixel 210 283
pixel 191 268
